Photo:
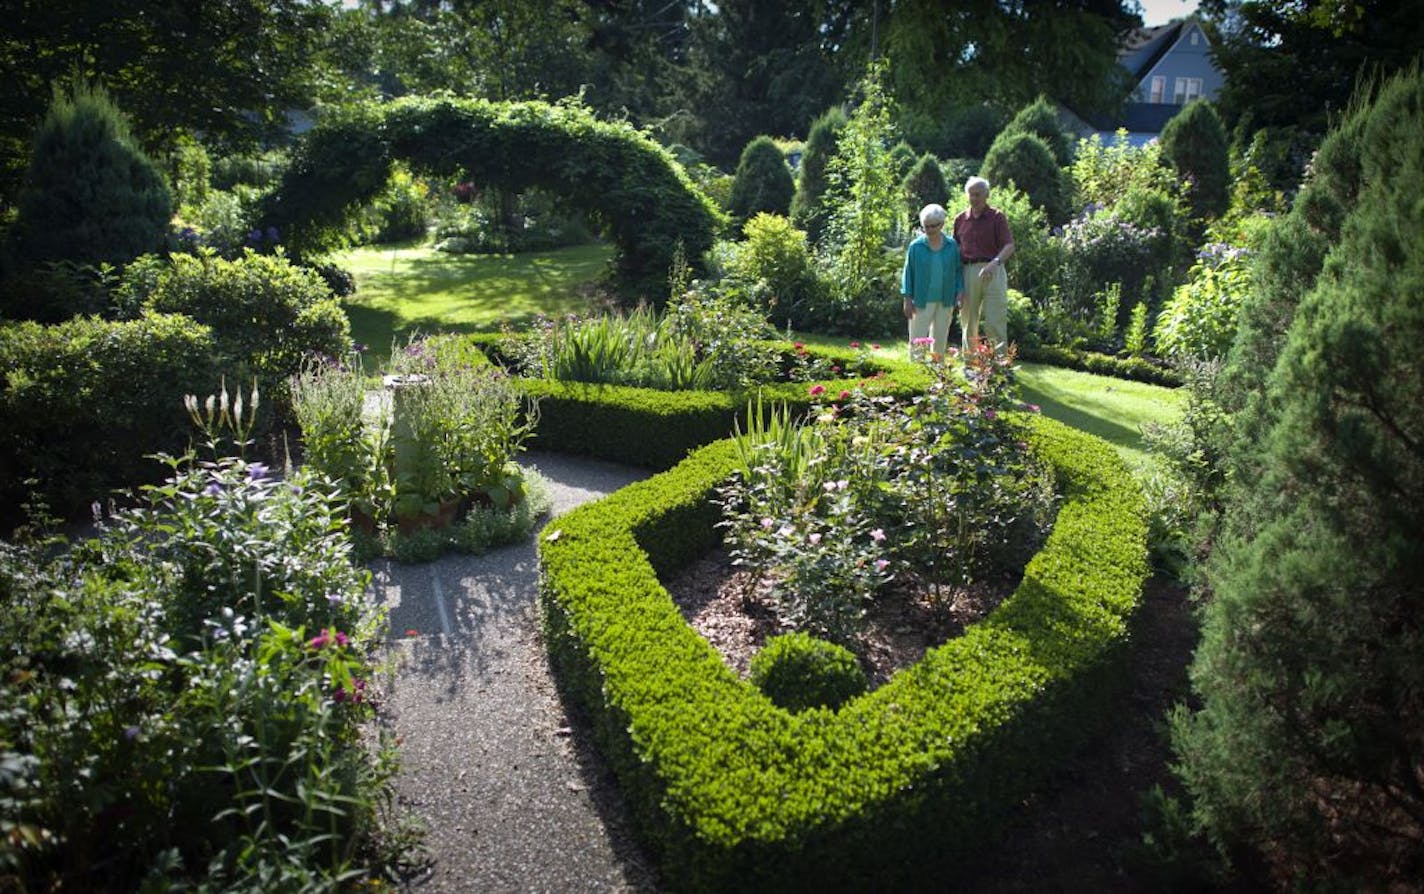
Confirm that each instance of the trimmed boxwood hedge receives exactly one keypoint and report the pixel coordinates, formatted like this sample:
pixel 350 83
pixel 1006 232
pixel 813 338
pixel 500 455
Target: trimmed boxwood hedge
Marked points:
pixel 656 429
pixel 1134 368
pixel 896 786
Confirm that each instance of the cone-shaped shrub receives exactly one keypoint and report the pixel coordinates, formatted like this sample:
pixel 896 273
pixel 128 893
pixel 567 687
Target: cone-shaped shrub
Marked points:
pixel 1194 141
pixel 1026 160
pixel 763 182
pixel 91 194
pixel 807 210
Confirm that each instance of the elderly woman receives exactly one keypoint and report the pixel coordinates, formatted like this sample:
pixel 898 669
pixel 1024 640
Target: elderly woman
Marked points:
pixel 932 282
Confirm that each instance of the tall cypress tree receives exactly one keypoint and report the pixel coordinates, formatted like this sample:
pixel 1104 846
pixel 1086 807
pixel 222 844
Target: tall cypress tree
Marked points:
pixel 807 210
pixel 1309 741
pixel 91 195
pixel 1194 141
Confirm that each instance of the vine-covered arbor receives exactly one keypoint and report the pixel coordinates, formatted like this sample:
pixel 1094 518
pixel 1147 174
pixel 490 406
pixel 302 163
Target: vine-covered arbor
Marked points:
pixel 611 171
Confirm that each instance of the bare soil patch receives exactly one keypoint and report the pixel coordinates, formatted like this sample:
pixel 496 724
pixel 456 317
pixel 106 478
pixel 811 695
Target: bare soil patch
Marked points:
pixel 734 611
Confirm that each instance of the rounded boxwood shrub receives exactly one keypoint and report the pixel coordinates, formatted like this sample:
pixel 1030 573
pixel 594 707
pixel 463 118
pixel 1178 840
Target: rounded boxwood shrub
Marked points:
pixel 84 403
pixel 798 671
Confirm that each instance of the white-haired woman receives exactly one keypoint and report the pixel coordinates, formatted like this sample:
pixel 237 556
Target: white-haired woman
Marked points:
pixel 932 282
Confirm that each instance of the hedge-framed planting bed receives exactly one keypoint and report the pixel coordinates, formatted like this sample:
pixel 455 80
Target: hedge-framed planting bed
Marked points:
pixel 891 790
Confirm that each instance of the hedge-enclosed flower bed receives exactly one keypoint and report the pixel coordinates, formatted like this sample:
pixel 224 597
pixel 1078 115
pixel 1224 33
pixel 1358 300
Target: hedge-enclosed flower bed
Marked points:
pixel 733 792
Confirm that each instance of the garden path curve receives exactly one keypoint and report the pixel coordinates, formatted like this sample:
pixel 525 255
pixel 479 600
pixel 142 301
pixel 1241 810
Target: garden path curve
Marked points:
pixel 512 800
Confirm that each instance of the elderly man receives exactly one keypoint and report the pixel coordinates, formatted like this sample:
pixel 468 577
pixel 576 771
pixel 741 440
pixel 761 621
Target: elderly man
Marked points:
pixel 932 282
pixel 985 243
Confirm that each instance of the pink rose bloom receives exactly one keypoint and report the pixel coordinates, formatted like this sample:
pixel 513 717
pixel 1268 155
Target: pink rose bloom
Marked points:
pixel 881 564
pixel 877 535
pixel 845 395
pixel 815 539
pixel 818 390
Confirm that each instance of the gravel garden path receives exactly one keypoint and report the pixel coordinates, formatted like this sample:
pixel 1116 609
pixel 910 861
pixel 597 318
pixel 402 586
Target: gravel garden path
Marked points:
pixel 511 799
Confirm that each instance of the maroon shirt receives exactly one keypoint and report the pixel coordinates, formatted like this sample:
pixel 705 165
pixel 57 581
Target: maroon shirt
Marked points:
pixel 980 238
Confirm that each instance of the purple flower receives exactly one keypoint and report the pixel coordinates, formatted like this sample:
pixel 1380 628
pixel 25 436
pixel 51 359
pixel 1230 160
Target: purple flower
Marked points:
pixel 131 733
pixel 213 489
pixel 258 471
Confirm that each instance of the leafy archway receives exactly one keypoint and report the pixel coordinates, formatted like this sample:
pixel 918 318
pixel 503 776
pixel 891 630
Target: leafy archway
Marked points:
pixel 609 170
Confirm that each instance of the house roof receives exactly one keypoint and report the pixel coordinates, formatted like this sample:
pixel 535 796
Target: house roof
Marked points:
pixel 1160 39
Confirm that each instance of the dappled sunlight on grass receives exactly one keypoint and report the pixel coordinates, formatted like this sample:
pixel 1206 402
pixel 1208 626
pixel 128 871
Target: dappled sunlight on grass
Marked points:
pixel 409 288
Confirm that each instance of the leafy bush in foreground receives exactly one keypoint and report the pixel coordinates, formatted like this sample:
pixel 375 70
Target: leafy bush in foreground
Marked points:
pixel 183 694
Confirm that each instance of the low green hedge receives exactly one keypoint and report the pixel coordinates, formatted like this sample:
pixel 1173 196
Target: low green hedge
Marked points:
pixel 1134 368
pixel 656 429
pixel 898 785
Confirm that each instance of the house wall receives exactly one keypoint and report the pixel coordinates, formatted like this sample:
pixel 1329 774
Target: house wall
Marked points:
pixel 1184 59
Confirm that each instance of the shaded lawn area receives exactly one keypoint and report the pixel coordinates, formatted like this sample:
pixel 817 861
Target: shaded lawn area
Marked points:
pixel 1113 409
pixel 408 288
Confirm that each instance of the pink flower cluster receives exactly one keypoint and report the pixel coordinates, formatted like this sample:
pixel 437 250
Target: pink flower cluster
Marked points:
pixel 326 638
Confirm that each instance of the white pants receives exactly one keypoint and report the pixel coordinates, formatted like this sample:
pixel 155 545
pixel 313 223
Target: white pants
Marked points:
pixel 932 321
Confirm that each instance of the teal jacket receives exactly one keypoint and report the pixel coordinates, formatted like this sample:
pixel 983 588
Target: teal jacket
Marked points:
pixel 916 279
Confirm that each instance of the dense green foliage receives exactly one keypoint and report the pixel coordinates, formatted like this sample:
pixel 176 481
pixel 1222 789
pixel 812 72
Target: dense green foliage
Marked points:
pixel 644 197
pixel 266 315
pixel 1272 54
pixel 763 182
pixel 91 195
pixel 185 695
pixel 1194 143
pixel 798 671
pixel 924 185
pixel 772 270
pixel 1040 119
pixel 85 402
pixel 1026 161
pixel 865 218
pixel 898 784
pixel 1308 740
pixel 808 209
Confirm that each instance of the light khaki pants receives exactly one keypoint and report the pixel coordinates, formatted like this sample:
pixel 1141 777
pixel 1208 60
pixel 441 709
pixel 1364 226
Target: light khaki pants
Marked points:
pixel 932 321
pixel 990 298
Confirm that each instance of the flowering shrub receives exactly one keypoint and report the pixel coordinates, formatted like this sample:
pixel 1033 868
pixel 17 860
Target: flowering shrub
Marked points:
pixel 832 509
pixel 1199 321
pixel 184 692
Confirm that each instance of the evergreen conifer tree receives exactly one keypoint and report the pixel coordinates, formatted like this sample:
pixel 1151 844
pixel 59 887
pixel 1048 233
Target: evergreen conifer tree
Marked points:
pixel 807 211
pixel 91 194
pixel 1025 160
pixel 925 184
pixel 763 182
pixel 1195 143
pixel 1038 117
pixel 1309 741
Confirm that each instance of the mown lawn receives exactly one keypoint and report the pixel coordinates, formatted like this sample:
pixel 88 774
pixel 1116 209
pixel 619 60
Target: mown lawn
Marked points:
pixel 404 289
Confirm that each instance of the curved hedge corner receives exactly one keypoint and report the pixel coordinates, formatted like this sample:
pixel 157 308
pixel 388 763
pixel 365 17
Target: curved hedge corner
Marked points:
pixel 630 182
pixel 734 793
pixel 656 429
